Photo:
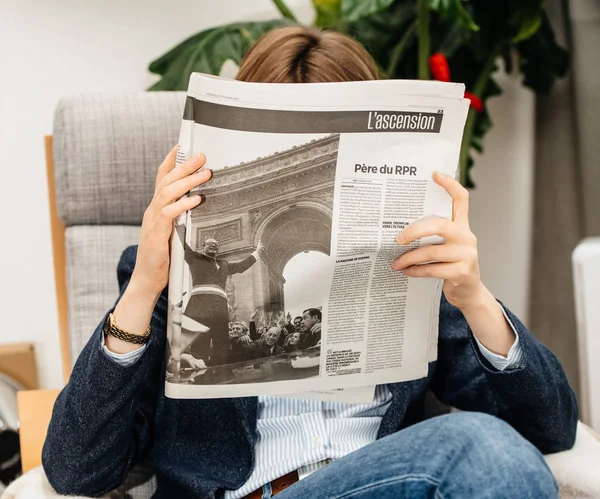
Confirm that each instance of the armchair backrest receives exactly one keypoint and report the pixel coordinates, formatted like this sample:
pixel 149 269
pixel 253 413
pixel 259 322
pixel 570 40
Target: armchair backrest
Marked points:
pixel 102 167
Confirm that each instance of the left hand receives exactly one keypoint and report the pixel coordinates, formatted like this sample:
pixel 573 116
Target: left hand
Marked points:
pixel 456 260
pixel 260 246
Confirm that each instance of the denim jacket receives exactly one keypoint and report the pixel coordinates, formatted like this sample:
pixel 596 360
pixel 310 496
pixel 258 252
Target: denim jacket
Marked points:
pixel 109 417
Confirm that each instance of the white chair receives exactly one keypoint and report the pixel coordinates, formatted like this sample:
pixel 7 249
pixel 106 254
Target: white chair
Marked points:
pixel 586 277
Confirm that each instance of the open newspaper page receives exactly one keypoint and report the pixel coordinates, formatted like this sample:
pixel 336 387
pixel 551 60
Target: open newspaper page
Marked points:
pixel 281 282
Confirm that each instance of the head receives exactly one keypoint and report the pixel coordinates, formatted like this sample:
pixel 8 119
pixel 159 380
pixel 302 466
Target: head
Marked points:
pixel 272 335
pixel 211 247
pixel 310 317
pixel 297 323
pixel 294 339
pixel 238 329
pixel 303 54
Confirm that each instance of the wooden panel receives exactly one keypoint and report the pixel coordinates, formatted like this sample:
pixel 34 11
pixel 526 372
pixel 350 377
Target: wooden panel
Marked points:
pixel 35 411
pixel 58 250
pixel 17 360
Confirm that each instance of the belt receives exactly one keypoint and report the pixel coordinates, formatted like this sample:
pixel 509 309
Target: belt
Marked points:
pixel 209 289
pixel 277 485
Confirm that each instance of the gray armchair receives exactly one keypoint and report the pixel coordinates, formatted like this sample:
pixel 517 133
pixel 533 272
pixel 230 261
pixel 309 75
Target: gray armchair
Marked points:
pixel 106 152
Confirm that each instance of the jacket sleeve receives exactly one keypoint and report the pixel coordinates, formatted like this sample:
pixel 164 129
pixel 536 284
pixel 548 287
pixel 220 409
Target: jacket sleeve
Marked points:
pixel 188 252
pixel 252 330
pixel 242 266
pixel 102 421
pixel 535 398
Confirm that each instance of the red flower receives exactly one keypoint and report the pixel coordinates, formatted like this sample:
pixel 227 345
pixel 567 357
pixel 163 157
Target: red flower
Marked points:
pixel 439 67
pixel 441 72
pixel 475 101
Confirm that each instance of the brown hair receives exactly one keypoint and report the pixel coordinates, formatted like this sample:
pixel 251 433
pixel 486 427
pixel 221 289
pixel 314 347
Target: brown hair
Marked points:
pixel 303 54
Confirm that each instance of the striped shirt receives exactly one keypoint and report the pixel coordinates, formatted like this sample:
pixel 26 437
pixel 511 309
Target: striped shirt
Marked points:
pixel 295 433
pixel 304 435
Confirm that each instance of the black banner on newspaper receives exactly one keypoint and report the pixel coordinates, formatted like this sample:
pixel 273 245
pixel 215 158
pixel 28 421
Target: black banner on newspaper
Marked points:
pixel 286 121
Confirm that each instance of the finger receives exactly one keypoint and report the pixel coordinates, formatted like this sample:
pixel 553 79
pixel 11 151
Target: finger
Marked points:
pixel 434 270
pixel 431 253
pixel 174 191
pixel 459 195
pixel 173 210
pixel 167 165
pixel 186 168
pixel 429 227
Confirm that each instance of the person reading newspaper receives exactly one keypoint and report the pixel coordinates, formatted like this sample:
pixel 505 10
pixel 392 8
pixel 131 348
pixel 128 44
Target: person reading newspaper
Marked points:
pixel 515 397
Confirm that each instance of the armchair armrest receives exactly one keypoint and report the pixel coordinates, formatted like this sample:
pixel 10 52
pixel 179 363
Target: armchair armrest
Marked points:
pixel 35 410
pixel 576 470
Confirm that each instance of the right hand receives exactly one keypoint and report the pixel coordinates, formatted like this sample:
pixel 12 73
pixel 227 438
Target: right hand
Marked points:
pixel 280 320
pixel 151 273
pixel 193 361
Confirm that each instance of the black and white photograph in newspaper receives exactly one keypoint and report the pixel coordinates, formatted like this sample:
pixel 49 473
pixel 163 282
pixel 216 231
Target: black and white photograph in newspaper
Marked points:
pixel 252 308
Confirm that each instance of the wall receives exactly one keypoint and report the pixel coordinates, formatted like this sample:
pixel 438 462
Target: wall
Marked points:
pixel 501 206
pixel 52 49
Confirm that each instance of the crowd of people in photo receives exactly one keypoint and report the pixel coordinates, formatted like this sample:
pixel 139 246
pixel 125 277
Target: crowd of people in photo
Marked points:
pixel 219 341
pixel 264 336
pixel 274 335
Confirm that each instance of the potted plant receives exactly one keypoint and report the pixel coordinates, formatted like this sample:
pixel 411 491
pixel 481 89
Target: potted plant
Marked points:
pixel 451 40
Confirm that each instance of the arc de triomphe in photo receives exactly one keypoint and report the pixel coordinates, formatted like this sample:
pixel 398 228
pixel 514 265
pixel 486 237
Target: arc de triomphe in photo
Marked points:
pixel 284 200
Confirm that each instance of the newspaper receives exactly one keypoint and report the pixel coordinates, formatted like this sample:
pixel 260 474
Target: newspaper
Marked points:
pixel 281 282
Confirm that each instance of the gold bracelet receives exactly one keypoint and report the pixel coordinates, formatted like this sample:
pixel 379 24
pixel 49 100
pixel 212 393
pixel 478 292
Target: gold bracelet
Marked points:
pixel 110 327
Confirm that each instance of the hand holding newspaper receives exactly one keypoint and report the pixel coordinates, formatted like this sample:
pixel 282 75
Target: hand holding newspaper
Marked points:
pixel 282 281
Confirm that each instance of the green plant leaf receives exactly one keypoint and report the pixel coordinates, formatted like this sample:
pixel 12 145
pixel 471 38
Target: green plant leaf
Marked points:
pixel 353 10
pixel 453 38
pixel 477 144
pixel 469 184
pixel 401 47
pixel 172 75
pixel 542 60
pixel 526 20
pixel 455 10
pixel 161 65
pixel 284 10
pixel 329 13
pixel 206 52
pixel 528 28
pixel 381 32
pixel 483 124
pixel 468 32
